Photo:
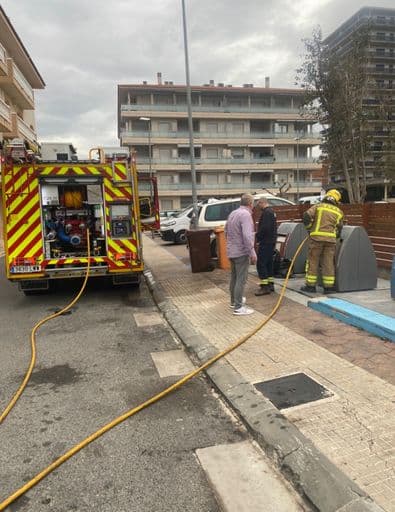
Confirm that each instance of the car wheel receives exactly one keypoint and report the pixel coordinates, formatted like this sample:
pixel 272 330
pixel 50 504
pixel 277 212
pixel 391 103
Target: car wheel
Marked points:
pixel 213 249
pixel 181 237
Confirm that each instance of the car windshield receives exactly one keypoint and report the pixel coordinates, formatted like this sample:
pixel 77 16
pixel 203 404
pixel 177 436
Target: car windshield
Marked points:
pixel 183 212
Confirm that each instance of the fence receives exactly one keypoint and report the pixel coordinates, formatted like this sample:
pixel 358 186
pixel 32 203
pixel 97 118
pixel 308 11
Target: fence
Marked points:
pixel 378 220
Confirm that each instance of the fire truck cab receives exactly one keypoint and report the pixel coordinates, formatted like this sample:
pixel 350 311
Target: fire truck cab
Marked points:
pixel 49 207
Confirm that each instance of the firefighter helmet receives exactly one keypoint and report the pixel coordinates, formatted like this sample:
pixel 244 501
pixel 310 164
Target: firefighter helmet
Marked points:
pixel 334 195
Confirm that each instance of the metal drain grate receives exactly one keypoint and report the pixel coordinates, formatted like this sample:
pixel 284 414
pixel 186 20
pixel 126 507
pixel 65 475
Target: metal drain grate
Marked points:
pixel 292 390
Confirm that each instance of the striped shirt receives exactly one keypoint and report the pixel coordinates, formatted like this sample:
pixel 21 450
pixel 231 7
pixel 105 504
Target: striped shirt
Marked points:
pixel 239 232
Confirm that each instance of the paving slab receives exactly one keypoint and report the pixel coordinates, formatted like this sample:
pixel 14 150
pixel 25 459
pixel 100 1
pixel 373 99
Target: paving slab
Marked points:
pixel 348 442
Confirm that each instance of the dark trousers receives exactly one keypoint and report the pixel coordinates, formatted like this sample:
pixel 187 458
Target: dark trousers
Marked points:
pixel 264 264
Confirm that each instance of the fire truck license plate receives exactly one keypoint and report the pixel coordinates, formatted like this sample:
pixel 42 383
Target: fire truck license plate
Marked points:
pixel 25 269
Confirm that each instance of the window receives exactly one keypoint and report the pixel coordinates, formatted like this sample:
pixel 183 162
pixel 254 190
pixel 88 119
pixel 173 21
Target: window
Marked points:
pixel 282 154
pixel 379 67
pixel 220 212
pixel 380 36
pixel 212 152
pixel 237 127
pixel 380 51
pixel 281 128
pixel 237 153
pixel 212 127
pixel 237 178
pixel 381 20
pixel 165 179
pixel 212 179
pixel 164 154
pixel 164 127
pixel 166 204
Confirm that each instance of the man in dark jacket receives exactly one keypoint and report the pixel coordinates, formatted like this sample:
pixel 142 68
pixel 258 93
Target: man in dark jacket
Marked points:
pixel 266 237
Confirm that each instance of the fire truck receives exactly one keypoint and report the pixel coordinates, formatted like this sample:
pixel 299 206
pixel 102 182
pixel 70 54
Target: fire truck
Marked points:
pixel 49 207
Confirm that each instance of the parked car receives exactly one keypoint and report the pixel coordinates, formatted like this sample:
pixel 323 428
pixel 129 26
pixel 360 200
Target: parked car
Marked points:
pixel 310 199
pixel 174 228
pixel 215 214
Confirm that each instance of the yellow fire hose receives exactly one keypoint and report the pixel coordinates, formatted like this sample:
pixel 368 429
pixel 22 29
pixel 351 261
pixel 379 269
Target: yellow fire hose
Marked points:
pixel 76 448
pixel 21 388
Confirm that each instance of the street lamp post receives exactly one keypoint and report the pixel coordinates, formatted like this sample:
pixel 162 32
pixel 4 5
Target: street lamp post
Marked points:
pixel 194 219
pixel 148 120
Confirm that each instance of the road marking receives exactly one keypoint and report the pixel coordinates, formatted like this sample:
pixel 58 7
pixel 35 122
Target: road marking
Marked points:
pixel 172 363
pixel 147 319
pixel 244 481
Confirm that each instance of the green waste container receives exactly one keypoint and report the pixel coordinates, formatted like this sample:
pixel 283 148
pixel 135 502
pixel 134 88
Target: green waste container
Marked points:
pixel 199 250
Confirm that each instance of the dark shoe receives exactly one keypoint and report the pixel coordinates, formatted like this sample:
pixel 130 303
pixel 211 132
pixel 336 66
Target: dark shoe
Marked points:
pixel 332 289
pixel 264 289
pixel 309 289
pixel 271 287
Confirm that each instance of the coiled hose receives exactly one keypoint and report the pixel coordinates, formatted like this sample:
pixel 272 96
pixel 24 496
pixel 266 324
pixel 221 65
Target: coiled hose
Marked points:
pixel 78 447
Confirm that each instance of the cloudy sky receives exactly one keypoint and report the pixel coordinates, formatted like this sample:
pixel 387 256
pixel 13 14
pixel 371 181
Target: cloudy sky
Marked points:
pixel 83 49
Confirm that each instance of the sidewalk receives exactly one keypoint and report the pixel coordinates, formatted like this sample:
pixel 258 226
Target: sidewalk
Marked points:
pixel 337 450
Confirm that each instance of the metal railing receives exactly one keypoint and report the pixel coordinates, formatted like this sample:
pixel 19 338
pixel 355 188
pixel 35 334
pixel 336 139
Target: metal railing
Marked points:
pixel 25 130
pixel 24 84
pixel 209 108
pixel 5 110
pixel 217 135
pixel 234 161
pixel 3 54
pixel 228 186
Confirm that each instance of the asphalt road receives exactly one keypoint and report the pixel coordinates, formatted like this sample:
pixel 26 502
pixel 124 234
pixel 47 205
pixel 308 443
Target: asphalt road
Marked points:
pixel 93 365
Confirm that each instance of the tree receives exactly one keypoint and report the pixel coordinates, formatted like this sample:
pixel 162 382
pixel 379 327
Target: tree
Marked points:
pixel 336 88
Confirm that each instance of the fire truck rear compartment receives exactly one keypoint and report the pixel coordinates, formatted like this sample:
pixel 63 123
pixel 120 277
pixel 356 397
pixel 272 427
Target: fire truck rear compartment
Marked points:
pixel 68 210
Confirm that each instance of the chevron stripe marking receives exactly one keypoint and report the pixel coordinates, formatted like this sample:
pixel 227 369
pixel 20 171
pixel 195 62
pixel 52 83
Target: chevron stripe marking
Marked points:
pixel 20 244
pixel 17 232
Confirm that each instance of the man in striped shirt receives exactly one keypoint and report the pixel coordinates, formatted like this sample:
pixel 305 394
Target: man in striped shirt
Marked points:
pixel 240 238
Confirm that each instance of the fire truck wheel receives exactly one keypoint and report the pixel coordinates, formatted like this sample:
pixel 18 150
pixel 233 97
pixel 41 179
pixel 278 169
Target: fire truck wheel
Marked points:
pixel 181 237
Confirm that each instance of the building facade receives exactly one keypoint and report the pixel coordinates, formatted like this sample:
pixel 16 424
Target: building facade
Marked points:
pixel 18 79
pixel 380 73
pixel 245 139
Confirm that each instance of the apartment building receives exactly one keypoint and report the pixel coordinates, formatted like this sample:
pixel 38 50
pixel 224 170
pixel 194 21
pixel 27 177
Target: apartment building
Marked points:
pixel 380 74
pixel 18 79
pixel 245 139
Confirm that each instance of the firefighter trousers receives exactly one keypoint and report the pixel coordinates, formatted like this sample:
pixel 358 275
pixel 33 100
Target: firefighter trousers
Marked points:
pixel 321 254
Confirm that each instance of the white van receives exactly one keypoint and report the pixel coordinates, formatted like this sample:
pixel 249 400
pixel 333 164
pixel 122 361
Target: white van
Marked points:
pixel 213 215
pixel 310 199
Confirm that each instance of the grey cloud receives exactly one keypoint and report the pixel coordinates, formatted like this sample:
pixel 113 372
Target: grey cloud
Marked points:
pixel 83 49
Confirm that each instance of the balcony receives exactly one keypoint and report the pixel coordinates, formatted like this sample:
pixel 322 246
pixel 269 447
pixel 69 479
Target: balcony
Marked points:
pixel 5 117
pixel 264 163
pixel 17 87
pixel 141 137
pixel 20 130
pixel 208 108
pixel 224 189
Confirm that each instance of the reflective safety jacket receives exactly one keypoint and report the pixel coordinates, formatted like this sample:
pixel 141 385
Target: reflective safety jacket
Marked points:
pixel 324 222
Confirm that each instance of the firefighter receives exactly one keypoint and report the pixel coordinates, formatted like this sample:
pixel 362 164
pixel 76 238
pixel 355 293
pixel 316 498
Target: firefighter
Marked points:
pixel 324 222
pixel 266 236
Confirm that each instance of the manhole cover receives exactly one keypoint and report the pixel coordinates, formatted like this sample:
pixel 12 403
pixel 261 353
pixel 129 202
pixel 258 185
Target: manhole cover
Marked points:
pixel 292 390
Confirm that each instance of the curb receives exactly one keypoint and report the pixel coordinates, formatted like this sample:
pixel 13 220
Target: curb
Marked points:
pixel 377 324
pixel 312 474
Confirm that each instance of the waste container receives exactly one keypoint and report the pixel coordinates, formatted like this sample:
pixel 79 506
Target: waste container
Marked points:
pixel 199 250
pixel 223 260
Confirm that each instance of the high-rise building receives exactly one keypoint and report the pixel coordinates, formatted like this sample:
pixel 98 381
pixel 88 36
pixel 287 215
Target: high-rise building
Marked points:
pixel 380 74
pixel 18 79
pixel 245 139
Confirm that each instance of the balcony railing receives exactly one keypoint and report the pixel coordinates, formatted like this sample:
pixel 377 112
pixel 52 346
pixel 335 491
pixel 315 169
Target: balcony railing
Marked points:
pixel 217 135
pixel 227 186
pixel 5 111
pixel 23 83
pixel 208 108
pixel 3 54
pixel 234 161
pixel 25 130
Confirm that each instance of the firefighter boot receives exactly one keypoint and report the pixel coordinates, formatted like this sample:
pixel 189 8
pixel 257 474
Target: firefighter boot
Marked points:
pixel 331 289
pixel 264 289
pixel 309 289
